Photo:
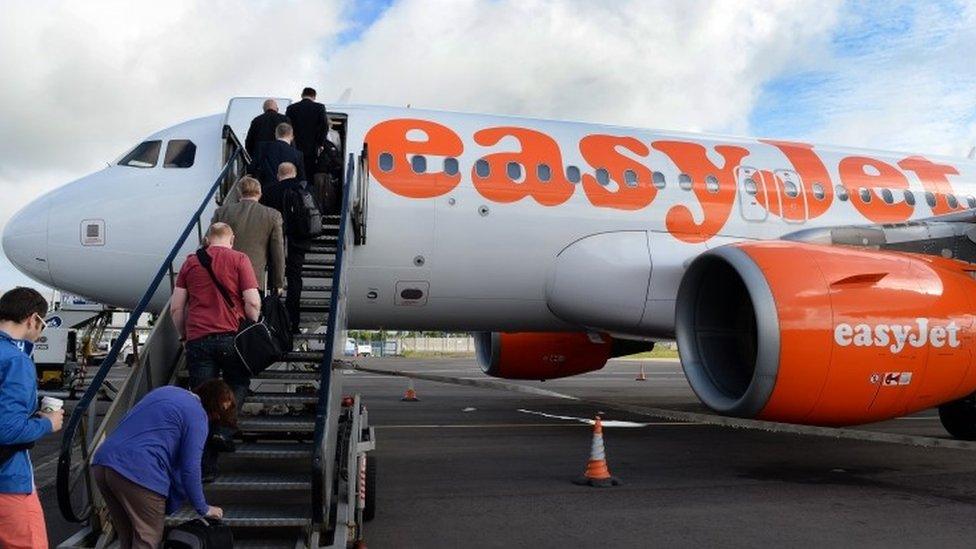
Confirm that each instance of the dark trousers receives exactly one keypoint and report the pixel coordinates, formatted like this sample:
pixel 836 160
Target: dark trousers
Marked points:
pixel 214 356
pixel 294 262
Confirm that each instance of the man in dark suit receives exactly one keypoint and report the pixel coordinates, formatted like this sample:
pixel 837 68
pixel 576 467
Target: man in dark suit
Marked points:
pixel 297 247
pixel 263 127
pixel 311 125
pixel 273 153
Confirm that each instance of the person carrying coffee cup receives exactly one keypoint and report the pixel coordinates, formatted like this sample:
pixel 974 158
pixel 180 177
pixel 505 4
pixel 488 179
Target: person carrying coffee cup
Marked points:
pixel 22 312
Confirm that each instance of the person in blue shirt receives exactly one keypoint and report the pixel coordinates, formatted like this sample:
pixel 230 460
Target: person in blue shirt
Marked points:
pixel 150 464
pixel 22 312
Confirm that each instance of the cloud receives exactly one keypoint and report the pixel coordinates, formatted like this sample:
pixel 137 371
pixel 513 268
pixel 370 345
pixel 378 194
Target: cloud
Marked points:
pixel 898 76
pixel 679 65
pixel 84 81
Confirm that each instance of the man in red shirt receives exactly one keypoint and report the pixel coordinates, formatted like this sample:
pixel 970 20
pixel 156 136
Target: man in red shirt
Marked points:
pixel 203 318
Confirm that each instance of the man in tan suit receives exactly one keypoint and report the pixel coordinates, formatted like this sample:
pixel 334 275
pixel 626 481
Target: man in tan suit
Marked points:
pixel 257 231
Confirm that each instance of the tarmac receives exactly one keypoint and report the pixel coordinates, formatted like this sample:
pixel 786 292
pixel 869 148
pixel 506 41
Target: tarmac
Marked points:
pixel 493 467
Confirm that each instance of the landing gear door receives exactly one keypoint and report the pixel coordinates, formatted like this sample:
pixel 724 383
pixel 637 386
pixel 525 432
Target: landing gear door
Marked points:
pixel 752 194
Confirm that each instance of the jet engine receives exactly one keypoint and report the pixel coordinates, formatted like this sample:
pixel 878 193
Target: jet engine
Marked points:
pixel 825 335
pixel 548 355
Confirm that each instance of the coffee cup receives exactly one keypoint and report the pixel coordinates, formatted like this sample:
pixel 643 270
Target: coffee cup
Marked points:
pixel 51 404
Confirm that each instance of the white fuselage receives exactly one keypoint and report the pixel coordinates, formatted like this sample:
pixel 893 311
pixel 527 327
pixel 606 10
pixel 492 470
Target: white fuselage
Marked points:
pixel 524 248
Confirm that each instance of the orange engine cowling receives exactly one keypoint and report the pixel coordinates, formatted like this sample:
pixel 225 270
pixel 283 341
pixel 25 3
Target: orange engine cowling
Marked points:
pixel 541 355
pixel 825 335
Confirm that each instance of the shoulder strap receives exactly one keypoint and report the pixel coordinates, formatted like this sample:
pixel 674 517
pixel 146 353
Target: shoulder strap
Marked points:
pixel 204 258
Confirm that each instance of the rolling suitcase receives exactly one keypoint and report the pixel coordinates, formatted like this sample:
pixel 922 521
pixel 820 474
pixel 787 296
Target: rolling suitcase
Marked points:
pixel 200 533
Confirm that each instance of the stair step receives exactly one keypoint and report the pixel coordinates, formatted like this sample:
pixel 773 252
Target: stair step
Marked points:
pixel 273 450
pixel 317 287
pixel 314 316
pixel 252 516
pixel 317 274
pixel 315 304
pixel 261 481
pixel 319 262
pixel 273 375
pixel 276 424
pixel 322 249
pixel 304 356
pixel 279 399
pixel 326 239
pixel 311 336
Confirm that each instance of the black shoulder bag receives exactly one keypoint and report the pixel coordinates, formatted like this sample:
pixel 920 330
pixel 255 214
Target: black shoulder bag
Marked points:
pixel 7 452
pixel 255 345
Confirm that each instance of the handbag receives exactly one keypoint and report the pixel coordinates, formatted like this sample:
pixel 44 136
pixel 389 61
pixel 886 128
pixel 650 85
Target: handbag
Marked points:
pixel 200 533
pixel 254 343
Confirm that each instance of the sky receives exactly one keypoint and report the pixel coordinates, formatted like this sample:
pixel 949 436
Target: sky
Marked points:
pixel 83 82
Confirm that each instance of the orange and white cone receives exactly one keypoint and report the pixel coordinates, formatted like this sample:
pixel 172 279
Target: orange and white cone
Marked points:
pixel 411 394
pixel 641 376
pixel 597 474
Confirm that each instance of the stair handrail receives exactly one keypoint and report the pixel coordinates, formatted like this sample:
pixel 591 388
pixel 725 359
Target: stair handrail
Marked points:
pixel 319 461
pixel 80 410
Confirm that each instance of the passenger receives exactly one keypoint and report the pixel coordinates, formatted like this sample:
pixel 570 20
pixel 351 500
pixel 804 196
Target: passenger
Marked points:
pixel 273 153
pixel 150 464
pixel 311 126
pixel 204 319
pixel 263 126
pixel 297 248
pixel 257 232
pixel 22 313
pixel 333 135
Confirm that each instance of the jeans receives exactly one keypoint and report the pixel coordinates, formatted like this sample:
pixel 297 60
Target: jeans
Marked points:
pixel 214 356
pixel 294 263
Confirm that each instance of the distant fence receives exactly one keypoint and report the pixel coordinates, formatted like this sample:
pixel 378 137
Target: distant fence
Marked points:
pixel 452 345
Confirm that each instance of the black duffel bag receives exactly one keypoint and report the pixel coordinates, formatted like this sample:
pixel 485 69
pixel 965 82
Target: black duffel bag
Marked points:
pixel 254 342
pixel 275 316
pixel 200 533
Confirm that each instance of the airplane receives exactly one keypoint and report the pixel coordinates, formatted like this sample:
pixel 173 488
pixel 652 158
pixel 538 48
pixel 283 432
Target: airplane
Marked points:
pixel 803 283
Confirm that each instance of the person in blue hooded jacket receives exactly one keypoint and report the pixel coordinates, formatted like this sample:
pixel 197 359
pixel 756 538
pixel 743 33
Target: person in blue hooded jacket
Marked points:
pixel 150 464
pixel 22 312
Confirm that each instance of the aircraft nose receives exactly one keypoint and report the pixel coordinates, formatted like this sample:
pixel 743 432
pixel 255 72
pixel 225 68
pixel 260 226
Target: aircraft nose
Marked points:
pixel 25 240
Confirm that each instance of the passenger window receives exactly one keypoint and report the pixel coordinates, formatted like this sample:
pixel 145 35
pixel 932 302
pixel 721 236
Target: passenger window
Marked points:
pixel 865 195
pixel 573 174
pixel 659 180
pixel 451 166
pixel 711 183
pixel 514 170
pixel 971 200
pixel 909 198
pixel 386 162
pixel 482 168
pixel 419 163
pixel 887 196
pixel 145 155
pixel 603 177
pixel 750 186
pixel 953 203
pixel 818 191
pixel 630 178
pixel 841 192
pixel 543 172
pixel 684 181
pixel 791 189
pixel 930 199
pixel 179 154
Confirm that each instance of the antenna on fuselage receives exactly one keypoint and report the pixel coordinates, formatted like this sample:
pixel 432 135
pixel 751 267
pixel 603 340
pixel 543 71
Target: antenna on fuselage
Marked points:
pixel 972 154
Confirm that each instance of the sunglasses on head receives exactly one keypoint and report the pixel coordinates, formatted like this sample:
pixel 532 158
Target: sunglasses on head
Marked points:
pixel 43 322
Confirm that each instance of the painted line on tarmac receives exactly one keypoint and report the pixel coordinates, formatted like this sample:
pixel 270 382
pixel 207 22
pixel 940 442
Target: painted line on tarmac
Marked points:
pixel 842 433
pixel 45 470
pixel 529 425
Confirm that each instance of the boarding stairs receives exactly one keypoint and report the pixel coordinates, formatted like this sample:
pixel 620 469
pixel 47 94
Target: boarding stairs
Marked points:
pixel 295 477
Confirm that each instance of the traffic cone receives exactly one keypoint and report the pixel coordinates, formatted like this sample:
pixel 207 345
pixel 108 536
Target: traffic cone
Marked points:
pixel 641 376
pixel 411 394
pixel 597 474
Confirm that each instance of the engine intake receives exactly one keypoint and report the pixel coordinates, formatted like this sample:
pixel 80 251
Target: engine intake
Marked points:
pixel 825 335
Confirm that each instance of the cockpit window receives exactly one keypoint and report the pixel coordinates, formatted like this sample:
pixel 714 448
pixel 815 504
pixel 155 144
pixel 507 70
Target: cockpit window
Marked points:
pixel 145 155
pixel 180 153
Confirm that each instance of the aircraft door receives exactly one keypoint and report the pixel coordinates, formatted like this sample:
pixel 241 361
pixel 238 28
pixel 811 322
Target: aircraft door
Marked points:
pixel 752 194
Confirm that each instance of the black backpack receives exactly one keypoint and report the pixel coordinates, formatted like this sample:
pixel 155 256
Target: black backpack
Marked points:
pixel 303 220
pixel 329 160
pixel 200 534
